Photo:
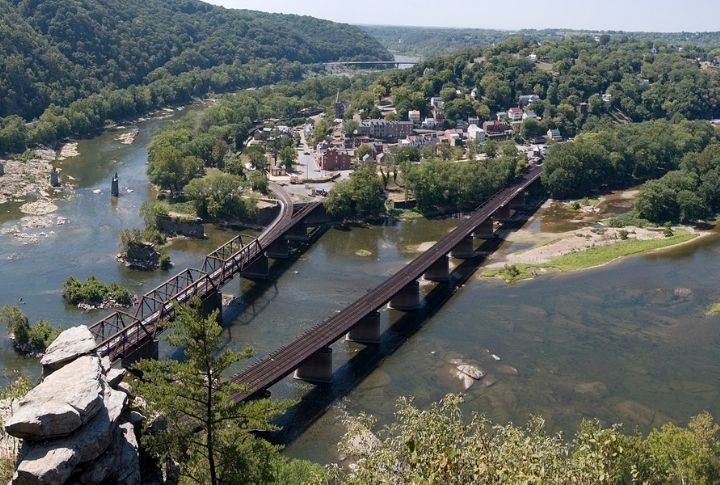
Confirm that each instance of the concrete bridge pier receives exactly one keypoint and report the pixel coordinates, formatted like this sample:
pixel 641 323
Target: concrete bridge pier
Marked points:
pixel 151 350
pixel 465 249
pixel 280 249
pixel 439 271
pixel 503 213
pixel 367 330
pixel 212 302
pixel 317 368
pixel 258 270
pixel 485 230
pixel 407 298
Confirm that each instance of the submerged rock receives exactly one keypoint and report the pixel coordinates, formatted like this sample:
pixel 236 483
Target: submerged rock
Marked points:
pixel 471 370
pixel 59 405
pixel 68 346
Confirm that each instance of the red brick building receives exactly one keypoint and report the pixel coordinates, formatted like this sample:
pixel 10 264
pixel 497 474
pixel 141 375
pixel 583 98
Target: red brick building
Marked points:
pixel 334 159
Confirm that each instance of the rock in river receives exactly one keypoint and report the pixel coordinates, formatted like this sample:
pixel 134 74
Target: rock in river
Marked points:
pixel 60 404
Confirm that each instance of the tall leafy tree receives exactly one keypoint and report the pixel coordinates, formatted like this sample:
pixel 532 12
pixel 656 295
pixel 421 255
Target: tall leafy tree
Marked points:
pixel 205 430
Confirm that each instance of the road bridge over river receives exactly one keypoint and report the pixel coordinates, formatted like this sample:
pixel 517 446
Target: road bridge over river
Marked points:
pixel 310 355
pixel 122 335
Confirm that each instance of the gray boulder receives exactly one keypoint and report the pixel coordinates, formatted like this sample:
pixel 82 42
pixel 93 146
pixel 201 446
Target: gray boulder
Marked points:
pixel 115 376
pixel 54 461
pixel 59 405
pixel 68 346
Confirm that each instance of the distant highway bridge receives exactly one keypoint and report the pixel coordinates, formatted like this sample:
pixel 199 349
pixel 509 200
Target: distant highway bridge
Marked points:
pixel 393 63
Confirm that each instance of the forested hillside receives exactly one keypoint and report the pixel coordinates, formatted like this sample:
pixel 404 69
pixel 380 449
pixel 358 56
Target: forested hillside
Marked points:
pixel 57 51
pixel 425 42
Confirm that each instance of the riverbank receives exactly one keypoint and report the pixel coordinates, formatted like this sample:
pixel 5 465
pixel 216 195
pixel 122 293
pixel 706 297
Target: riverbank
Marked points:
pixel 597 249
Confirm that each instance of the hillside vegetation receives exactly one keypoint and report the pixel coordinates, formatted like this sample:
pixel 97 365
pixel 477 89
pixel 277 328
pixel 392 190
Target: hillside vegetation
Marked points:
pixel 59 51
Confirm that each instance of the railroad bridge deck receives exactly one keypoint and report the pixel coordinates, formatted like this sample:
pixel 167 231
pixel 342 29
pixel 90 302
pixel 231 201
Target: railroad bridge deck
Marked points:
pixel 309 354
pixel 122 334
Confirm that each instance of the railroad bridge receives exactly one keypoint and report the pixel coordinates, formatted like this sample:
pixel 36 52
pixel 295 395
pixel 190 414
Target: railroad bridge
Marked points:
pixel 130 336
pixel 309 356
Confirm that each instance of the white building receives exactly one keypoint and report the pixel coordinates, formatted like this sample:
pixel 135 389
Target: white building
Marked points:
pixel 429 124
pixel 475 133
pixel 414 116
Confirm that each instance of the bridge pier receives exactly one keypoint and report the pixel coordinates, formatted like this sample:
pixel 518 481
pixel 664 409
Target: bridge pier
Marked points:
pixel 258 270
pixel 151 350
pixel 439 271
pixel 212 302
pixel 485 230
pixel 298 233
pixel 317 368
pixel 407 298
pixel 367 330
pixel 519 201
pixel 465 249
pixel 280 249
pixel 503 213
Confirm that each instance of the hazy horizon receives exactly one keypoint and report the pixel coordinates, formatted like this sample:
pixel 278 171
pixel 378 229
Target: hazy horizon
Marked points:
pixel 638 16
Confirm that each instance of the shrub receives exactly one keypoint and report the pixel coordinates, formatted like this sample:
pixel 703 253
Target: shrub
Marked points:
pixel 165 262
pixel 153 212
pixel 623 234
pixel 27 339
pixel 94 292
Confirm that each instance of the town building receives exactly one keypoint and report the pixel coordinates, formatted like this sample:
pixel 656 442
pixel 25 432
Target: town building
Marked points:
pixel 334 159
pixel 473 120
pixel 476 134
pixel 419 140
pixel 554 134
pixel 607 98
pixel 497 128
pixel 475 93
pixel 529 114
pixel 414 116
pixel 436 102
pixel 515 114
pixel 582 108
pixel 429 123
pixel 389 130
pixel 339 107
pixel 526 99
pixel 532 57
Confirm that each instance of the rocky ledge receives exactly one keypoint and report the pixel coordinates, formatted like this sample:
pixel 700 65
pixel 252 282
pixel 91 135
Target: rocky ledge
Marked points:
pixel 76 425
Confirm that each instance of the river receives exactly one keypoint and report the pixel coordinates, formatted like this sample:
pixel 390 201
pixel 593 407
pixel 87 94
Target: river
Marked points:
pixel 628 342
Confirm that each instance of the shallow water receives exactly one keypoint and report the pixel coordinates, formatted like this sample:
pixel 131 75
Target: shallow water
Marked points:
pixel 627 342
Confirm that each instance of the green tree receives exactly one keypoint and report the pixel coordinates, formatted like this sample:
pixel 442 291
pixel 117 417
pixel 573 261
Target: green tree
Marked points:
pixel 362 195
pixel 288 155
pixel 363 150
pixel 440 445
pixel 205 430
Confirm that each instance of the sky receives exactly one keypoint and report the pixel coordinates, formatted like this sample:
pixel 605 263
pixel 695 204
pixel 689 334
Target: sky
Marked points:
pixel 628 15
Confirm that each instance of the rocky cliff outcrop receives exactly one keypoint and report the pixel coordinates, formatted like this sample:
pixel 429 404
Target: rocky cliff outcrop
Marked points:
pixel 75 425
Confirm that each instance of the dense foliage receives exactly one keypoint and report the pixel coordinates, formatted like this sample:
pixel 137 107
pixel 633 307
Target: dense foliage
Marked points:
pixel 644 81
pixel 27 338
pixel 204 429
pixel 440 186
pixel 360 196
pixel 685 195
pixel 94 292
pixel 621 155
pixel 54 52
pixel 79 64
pixel 426 42
pixel 438 445
pixel 222 196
